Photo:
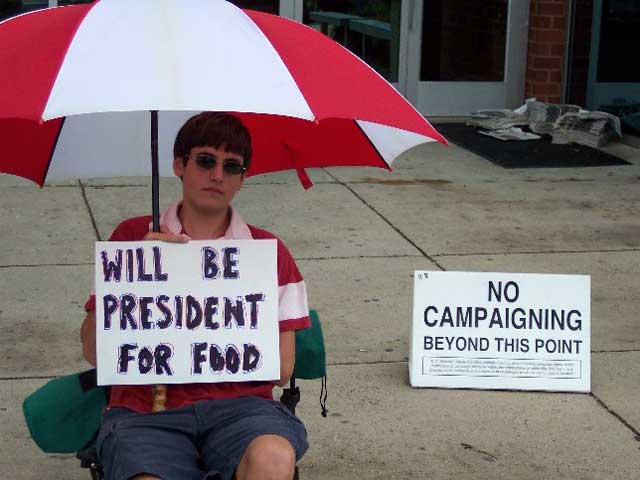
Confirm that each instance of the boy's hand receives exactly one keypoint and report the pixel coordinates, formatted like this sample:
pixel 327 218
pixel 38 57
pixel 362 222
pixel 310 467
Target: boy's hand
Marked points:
pixel 166 235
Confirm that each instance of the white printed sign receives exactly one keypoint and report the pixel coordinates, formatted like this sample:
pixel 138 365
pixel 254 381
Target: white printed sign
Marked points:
pixel 204 311
pixel 501 331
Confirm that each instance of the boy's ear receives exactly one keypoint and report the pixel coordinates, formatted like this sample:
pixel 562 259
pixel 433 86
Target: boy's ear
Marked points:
pixel 178 166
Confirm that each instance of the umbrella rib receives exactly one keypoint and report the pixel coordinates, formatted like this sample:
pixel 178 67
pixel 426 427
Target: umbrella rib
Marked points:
pixel 386 165
pixel 53 150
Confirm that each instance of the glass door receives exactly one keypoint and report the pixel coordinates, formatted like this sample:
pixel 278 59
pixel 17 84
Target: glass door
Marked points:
pixel 268 6
pixel 11 8
pixel 466 55
pixel 374 30
pixel 614 78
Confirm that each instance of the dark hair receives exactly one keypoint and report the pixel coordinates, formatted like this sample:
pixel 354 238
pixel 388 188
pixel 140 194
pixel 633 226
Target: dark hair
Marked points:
pixel 217 130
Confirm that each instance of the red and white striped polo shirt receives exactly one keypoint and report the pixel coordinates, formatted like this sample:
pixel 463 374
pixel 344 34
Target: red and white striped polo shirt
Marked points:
pixel 293 313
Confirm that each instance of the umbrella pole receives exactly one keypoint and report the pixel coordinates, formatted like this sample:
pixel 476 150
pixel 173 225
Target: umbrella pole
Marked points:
pixel 155 172
pixel 159 392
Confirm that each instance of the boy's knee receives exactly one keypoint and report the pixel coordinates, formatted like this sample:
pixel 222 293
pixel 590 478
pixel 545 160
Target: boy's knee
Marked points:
pixel 270 455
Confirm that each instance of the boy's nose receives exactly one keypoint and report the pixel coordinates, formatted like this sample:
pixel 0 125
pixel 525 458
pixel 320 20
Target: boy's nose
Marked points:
pixel 217 172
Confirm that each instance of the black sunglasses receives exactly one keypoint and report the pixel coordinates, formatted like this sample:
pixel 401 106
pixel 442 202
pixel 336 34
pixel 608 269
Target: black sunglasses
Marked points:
pixel 207 162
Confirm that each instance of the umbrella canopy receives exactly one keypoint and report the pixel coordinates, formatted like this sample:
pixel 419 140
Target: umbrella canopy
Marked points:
pixel 78 83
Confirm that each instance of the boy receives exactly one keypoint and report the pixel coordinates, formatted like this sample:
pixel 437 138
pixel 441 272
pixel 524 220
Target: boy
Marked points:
pixel 207 430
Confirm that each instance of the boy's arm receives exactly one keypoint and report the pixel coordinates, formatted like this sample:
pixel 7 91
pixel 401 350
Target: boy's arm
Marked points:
pixel 88 337
pixel 287 356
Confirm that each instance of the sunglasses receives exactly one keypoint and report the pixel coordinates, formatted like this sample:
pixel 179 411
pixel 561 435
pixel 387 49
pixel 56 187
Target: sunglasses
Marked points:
pixel 207 162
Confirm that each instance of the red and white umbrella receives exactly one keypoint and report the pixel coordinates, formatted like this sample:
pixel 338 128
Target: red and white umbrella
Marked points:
pixel 77 84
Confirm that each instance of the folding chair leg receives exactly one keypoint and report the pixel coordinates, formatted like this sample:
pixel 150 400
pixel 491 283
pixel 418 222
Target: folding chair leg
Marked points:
pixel 291 396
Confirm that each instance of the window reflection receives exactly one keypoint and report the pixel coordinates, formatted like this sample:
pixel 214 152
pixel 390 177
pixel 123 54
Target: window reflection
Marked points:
pixel 464 40
pixel 11 8
pixel 268 6
pixel 619 53
pixel 369 28
pixel 615 86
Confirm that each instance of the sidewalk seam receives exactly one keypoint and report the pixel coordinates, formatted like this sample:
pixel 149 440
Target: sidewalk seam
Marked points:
pixel 49 265
pixel 300 259
pixel 140 185
pixel 540 252
pixel 411 242
pixel 377 362
pixel 36 377
pixel 615 351
pixel 615 414
pixel 86 202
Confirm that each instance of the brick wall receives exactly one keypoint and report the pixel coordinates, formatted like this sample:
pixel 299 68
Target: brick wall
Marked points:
pixel 545 60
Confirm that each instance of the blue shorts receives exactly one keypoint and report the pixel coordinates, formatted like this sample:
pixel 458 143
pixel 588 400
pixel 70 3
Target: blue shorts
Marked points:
pixel 199 441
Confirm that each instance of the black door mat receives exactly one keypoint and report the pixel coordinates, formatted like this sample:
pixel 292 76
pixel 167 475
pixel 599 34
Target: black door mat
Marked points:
pixel 526 153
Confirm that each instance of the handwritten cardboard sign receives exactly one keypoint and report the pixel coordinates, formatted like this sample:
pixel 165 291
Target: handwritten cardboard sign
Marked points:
pixel 205 311
pixel 501 331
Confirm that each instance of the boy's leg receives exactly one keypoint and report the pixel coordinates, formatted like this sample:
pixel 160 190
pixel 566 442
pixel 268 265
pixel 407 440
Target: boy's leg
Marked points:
pixel 242 434
pixel 269 457
pixel 155 445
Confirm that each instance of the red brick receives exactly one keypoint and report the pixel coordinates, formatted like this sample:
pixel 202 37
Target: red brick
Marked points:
pixel 540 21
pixel 539 49
pixel 557 50
pixel 548 8
pixel 546 88
pixel 552 99
pixel 559 22
pixel 555 76
pixel 551 63
pixel 548 36
pixel 538 75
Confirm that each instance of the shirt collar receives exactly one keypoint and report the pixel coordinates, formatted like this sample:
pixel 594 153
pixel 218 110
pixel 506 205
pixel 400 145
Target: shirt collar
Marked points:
pixel 237 229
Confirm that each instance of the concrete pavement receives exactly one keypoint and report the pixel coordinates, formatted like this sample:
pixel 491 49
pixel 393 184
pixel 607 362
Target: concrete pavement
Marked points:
pixel 357 236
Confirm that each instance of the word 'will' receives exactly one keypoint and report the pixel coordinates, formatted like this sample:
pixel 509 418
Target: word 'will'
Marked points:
pixel 132 263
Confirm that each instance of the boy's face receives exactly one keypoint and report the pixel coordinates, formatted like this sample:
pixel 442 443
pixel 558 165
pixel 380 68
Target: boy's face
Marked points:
pixel 208 190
